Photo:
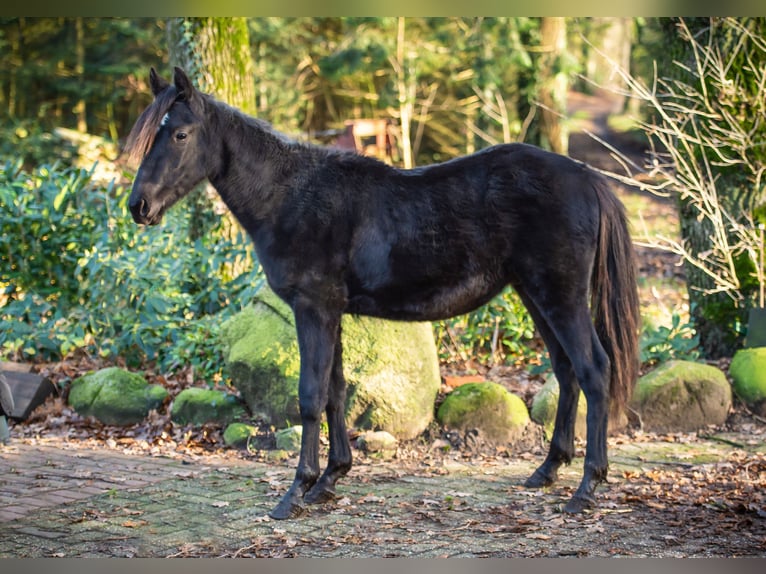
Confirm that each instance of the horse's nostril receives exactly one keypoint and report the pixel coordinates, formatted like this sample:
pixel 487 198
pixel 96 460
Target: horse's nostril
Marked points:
pixel 143 208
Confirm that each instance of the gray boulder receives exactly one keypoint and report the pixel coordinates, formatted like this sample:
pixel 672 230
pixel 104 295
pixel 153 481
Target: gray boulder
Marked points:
pixel 115 396
pixel 391 368
pixel 682 396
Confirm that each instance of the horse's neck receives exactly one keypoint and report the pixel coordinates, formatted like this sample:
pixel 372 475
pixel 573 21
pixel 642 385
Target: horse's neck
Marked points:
pixel 251 167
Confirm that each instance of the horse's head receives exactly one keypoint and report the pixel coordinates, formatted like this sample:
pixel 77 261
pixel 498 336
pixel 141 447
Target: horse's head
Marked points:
pixel 170 139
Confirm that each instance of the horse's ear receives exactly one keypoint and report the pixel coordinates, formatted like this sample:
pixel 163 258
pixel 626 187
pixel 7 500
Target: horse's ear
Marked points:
pixel 157 84
pixel 183 84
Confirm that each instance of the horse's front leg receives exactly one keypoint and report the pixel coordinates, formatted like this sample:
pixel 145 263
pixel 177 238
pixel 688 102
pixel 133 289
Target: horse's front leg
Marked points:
pixel 318 330
pixel 339 459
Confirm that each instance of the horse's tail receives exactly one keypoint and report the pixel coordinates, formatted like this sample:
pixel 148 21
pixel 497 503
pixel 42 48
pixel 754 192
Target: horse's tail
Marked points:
pixel 614 298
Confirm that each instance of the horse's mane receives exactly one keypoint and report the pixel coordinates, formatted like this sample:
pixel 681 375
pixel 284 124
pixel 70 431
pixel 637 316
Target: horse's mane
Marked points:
pixel 144 131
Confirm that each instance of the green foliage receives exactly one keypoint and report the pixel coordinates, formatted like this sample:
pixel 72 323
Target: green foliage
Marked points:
pixel 26 139
pixel 44 217
pixel 501 330
pixel 77 273
pixel 660 344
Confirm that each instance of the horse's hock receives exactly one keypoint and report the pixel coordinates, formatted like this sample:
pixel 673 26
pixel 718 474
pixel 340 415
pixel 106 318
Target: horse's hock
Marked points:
pixel 391 368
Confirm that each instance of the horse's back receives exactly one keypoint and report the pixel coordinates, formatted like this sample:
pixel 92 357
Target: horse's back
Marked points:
pixel 444 239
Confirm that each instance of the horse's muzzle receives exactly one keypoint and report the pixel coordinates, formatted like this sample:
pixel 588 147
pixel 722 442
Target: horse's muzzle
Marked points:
pixel 142 212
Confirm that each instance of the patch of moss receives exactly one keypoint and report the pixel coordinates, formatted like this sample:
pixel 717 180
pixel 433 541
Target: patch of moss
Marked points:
pixel 237 434
pixel 289 439
pixel 262 353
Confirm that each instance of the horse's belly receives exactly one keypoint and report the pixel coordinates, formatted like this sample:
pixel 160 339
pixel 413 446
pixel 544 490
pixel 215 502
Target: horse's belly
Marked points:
pixel 424 302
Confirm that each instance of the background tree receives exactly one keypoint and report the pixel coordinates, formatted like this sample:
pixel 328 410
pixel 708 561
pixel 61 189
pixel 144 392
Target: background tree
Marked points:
pixel 724 60
pixel 215 53
pixel 706 117
pixel 554 84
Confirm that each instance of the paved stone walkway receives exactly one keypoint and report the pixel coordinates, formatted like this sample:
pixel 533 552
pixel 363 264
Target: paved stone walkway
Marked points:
pixel 61 500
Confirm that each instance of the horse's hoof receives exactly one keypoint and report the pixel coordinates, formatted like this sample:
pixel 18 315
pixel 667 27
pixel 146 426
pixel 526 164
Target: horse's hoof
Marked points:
pixel 319 494
pixel 539 480
pixel 578 504
pixel 286 509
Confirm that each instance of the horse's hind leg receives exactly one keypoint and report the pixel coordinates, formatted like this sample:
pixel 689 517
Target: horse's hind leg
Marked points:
pixel 561 449
pixel 570 323
pixel 339 459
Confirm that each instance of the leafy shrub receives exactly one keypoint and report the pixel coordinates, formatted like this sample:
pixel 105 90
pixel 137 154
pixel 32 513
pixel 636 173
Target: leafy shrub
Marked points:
pixel 77 273
pixel 44 216
pixel 496 332
pixel 661 344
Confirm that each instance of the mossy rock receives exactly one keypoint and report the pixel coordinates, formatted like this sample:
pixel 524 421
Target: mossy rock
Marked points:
pixel 198 406
pixel 289 439
pixel 499 415
pixel 238 434
pixel 378 444
pixel 748 373
pixel 682 396
pixel 392 371
pixel 115 396
pixel 545 404
pixel 391 368
pixel 261 350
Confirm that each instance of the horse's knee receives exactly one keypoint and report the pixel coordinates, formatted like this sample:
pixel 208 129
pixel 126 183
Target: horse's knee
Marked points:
pixel 311 408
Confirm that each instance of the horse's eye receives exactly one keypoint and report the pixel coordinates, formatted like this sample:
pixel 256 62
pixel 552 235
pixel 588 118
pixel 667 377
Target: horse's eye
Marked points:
pixel 180 136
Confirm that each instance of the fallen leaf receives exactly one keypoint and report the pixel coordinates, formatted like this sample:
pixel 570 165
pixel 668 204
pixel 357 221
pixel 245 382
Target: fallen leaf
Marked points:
pixel 134 523
pixel 538 536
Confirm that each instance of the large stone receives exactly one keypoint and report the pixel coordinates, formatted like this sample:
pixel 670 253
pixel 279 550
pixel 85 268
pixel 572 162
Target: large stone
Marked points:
pixel 115 396
pixel 28 390
pixel 261 351
pixel 682 396
pixel 499 415
pixel 545 404
pixel 198 406
pixel 391 368
pixel 748 373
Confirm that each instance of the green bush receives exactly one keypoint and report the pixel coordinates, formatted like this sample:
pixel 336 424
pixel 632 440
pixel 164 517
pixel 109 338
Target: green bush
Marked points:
pixel 499 331
pixel 77 273
pixel 660 344
pixel 44 216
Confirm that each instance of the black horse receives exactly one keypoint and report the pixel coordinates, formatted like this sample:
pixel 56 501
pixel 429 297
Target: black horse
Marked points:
pixel 340 233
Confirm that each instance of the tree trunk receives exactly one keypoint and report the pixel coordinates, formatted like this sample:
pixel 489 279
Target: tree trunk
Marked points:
pixel 79 71
pixel 215 54
pixel 405 87
pixel 719 320
pixel 554 85
pixel 616 42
